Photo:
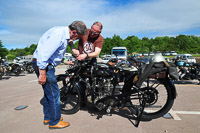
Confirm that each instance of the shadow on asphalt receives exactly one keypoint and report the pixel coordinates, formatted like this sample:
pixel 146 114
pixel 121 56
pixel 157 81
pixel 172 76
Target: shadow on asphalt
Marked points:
pixel 99 114
pixel 122 112
pixel 5 78
pixel 17 75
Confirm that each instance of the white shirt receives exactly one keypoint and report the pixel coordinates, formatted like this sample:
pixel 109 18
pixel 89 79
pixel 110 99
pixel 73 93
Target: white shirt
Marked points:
pixel 52 46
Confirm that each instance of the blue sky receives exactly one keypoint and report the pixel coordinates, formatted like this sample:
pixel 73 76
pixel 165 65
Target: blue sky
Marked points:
pixel 22 22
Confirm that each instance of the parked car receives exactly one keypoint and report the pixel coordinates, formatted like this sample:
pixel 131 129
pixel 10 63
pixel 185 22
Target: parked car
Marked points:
pixel 151 53
pixel 139 54
pixel 173 53
pixel 185 58
pixel 166 53
pixel 145 54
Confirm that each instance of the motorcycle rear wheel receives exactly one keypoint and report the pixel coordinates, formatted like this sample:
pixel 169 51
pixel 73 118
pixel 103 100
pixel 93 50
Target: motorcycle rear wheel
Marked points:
pixel 160 101
pixel 70 98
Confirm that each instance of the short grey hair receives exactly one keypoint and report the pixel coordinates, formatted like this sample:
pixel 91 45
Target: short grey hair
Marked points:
pixel 79 26
pixel 98 24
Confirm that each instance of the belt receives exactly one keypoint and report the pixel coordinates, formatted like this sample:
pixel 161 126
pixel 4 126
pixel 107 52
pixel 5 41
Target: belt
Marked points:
pixel 34 59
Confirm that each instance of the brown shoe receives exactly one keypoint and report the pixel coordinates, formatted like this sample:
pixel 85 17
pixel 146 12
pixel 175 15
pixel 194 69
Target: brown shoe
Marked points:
pixel 46 122
pixel 60 125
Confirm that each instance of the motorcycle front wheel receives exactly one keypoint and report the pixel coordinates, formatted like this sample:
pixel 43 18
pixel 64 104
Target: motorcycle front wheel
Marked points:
pixel 158 95
pixel 70 96
pixel 1 72
pixel 30 69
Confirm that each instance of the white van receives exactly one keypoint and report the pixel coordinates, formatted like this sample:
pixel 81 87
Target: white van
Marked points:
pixel 186 58
pixel 120 52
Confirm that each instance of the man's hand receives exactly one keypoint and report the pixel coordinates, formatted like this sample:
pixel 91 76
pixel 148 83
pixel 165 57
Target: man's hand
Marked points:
pixel 76 52
pixel 42 78
pixel 81 57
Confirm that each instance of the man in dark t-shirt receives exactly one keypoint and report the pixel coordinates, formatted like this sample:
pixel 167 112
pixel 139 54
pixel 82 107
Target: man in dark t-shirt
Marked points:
pixel 91 44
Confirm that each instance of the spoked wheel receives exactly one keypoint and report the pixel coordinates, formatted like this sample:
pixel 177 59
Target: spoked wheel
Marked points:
pixel 70 97
pixel 1 72
pixel 157 96
pixel 30 69
pixel 17 73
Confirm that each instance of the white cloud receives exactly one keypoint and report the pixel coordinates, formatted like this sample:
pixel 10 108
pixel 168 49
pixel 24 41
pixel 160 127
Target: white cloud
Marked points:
pixel 27 20
pixel 155 16
pixel 4 32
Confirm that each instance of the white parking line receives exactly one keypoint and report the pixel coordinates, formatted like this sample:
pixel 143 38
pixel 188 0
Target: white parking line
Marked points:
pixel 188 112
pixel 186 85
pixel 176 117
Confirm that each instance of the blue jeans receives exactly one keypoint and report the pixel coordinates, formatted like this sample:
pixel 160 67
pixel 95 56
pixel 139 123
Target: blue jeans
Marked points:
pixel 51 99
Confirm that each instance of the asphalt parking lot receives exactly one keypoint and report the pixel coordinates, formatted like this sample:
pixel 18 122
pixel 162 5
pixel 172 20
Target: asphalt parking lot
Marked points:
pixel 24 90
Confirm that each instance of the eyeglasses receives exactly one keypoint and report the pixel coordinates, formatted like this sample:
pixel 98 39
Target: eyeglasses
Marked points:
pixel 74 32
pixel 95 33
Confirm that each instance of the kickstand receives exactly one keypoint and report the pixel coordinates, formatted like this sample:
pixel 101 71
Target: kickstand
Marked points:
pixel 139 114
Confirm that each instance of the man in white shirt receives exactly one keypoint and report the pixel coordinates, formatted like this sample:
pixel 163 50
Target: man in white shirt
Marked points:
pixel 48 54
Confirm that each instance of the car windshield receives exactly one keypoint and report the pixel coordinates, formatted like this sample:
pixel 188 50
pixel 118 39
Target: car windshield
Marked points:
pixel 119 52
pixel 190 57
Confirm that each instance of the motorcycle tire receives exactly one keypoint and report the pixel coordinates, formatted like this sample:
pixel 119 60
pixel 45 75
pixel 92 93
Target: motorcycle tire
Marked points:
pixel 70 98
pixel 29 69
pixel 160 102
pixel 1 75
pixel 1 72
pixel 17 73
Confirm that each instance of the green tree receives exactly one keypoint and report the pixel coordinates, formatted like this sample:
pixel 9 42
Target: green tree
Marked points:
pixel 146 45
pixel 3 51
pixel 134 44
pixel 32 49
pixel 182 43
pixel 106 46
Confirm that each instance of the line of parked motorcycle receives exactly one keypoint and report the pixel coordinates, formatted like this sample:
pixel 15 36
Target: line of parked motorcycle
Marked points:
pixel 186 70
pixel 16 68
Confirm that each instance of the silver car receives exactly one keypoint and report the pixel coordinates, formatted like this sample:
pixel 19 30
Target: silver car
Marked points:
pixel 166 53
pixel 173 53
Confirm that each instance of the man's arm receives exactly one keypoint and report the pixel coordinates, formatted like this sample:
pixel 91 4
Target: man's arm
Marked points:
pixel 48 44
pixel 42 77
pixel 90 55
pixel 95 53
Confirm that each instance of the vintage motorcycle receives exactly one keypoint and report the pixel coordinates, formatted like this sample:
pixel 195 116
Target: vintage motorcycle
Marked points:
pixel 148 92
pixel 15 68
pixel 27 66
pixel 189 71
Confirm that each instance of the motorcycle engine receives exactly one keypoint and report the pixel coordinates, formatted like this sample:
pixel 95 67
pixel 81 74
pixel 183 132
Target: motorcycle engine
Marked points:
pixel 102 97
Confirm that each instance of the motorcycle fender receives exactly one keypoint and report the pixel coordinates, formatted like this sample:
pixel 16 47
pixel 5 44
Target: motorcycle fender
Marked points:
pixel 173 89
